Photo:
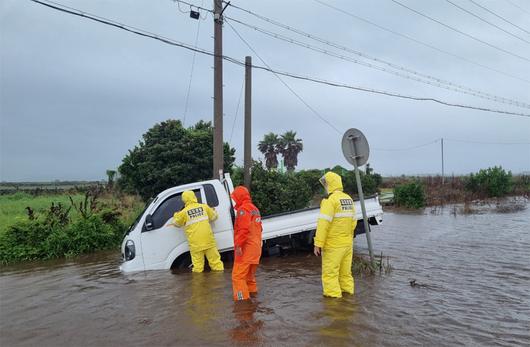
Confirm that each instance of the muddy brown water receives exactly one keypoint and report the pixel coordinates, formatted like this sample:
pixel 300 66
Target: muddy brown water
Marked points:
pixel 474 289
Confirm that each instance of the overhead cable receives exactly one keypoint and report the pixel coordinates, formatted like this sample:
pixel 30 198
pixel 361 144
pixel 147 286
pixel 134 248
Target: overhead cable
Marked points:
pixel 498 16
pixel 405 149
pixel 168 41
pixel 191 72
pixel 315 112
pixel 486 21
pixel 519 7
pixel 401 71
pixel 425 44
pixel 460 31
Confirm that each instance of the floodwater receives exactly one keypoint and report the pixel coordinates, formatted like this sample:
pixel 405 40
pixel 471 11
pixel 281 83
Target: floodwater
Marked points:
pixel 473 288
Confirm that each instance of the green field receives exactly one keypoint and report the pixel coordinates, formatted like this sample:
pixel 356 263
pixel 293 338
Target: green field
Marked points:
pixel 13 206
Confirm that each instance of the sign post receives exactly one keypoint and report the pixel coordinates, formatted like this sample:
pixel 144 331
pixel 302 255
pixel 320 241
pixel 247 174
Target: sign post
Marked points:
pixel 356 151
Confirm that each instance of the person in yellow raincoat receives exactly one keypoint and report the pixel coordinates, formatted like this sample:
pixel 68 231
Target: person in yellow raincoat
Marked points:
pixel 195 218
pixel 334 238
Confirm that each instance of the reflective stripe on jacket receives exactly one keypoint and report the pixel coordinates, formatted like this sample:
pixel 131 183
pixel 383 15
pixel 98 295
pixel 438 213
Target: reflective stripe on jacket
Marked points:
pixel 336 221
pixel 195 219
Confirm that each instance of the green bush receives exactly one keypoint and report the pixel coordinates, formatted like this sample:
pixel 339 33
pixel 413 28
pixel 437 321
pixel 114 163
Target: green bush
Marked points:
pixel 274 192
pixel 410 195
pixel 370 181
pixel 312 180
pixel 170 155
pixel 54 234
pixel 491 182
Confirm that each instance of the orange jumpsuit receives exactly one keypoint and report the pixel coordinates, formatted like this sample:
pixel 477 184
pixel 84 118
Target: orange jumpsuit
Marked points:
pixel 247 239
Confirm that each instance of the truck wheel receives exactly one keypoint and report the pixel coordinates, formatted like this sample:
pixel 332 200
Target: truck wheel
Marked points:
pixel 182 262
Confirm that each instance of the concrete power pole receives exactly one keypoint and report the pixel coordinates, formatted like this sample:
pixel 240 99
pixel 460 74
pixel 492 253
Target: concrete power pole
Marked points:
pixel 218 153
pixel 248 121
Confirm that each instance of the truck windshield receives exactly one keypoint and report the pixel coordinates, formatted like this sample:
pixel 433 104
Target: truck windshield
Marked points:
pixel 133 225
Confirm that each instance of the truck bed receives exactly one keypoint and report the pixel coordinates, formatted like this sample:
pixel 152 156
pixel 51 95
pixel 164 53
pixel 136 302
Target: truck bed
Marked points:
pixel 294 222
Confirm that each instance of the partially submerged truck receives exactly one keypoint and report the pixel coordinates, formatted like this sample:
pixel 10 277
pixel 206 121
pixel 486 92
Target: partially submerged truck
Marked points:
pixel 153 243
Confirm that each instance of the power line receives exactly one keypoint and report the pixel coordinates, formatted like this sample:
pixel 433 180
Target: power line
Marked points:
pixel 402 71
pixel 237 111
pixel 191 7
pixel 515 5
pixel 363 55
pixel 450 140
pixel 410 38
pixel 488 143
pixel 498 16
pixel 460 31
pixel 283 82
pixel 487 22
pixel 168 41
pixel 191 71
pixel 407 148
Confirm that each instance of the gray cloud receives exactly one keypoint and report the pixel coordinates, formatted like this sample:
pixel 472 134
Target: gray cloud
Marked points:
pixel 76 95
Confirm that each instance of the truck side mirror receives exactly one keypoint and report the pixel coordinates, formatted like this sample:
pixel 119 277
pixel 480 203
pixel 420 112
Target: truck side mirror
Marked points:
pixel 149 224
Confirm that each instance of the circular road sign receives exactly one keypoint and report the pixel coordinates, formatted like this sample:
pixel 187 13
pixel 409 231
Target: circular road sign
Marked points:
pixel 355 145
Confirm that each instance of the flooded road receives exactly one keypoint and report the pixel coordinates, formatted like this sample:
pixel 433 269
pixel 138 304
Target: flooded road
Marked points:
pixel 473 275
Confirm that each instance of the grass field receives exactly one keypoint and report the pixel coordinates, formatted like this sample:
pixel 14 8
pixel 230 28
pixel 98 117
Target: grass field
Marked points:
pixel 13 206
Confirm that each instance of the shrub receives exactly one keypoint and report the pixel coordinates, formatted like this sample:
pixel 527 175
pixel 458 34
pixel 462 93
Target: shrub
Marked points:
pixel 491 182
pixel 410 195
pixel 370 181
pixel 274 192
pixel 312 180
pixel 53 234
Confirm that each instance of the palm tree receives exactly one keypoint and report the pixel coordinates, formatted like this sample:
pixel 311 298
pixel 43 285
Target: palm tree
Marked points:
pixel 269 147
pixel 290 147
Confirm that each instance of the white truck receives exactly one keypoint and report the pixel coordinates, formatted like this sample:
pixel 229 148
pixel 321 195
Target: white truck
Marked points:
pixel 152 243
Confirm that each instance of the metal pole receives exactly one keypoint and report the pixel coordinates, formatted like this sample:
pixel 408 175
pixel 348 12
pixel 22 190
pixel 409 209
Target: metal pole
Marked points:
pixel 443 174
pixel 361 199
pixel 248 121
pixel 218 155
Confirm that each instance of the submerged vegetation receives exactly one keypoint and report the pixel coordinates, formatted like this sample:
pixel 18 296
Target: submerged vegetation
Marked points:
pixel 487 184
pixel 69 224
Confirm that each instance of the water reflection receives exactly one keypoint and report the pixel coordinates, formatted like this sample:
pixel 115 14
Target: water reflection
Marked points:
pixel 248 327
pixel 471 288
pixel 337 317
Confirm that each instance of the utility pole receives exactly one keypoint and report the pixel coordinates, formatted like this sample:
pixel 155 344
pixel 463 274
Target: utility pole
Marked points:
pixel 218 152
pixel 443 175
pixel 248 121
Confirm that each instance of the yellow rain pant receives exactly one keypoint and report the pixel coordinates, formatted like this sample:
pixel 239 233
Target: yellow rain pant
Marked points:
pixel 213 256
pixel 336 271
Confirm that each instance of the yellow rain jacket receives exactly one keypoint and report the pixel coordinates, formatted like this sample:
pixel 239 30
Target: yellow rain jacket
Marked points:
pixel 337 220
pixel 195 218
pixel 335 227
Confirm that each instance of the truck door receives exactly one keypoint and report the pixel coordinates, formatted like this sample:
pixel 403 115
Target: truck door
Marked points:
pixel 162 238
pixel 222 227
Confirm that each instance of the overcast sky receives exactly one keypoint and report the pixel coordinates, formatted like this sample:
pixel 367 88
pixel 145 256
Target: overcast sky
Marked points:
pixel 76 95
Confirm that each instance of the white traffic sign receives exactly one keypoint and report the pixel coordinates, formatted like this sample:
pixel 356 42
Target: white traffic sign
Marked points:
pixel 355 145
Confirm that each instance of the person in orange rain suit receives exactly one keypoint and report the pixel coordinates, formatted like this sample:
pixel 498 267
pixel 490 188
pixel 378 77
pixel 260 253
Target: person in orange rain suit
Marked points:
pixel 247 245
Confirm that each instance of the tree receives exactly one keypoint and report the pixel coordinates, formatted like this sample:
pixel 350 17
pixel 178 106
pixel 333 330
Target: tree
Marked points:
pixel 269 147
pixel 169 155
pixel 111 174
pixel 289 146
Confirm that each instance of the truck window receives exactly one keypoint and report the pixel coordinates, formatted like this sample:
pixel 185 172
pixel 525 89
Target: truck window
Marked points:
pixel 211 195
pixel 167 208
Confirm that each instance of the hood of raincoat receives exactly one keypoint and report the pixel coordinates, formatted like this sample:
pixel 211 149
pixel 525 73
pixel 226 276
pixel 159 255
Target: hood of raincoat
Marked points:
pixel 332 182
pixel 240 195
pixel 188 197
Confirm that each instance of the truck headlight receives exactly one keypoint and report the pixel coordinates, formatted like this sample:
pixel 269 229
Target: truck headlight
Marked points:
pixel 130 250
